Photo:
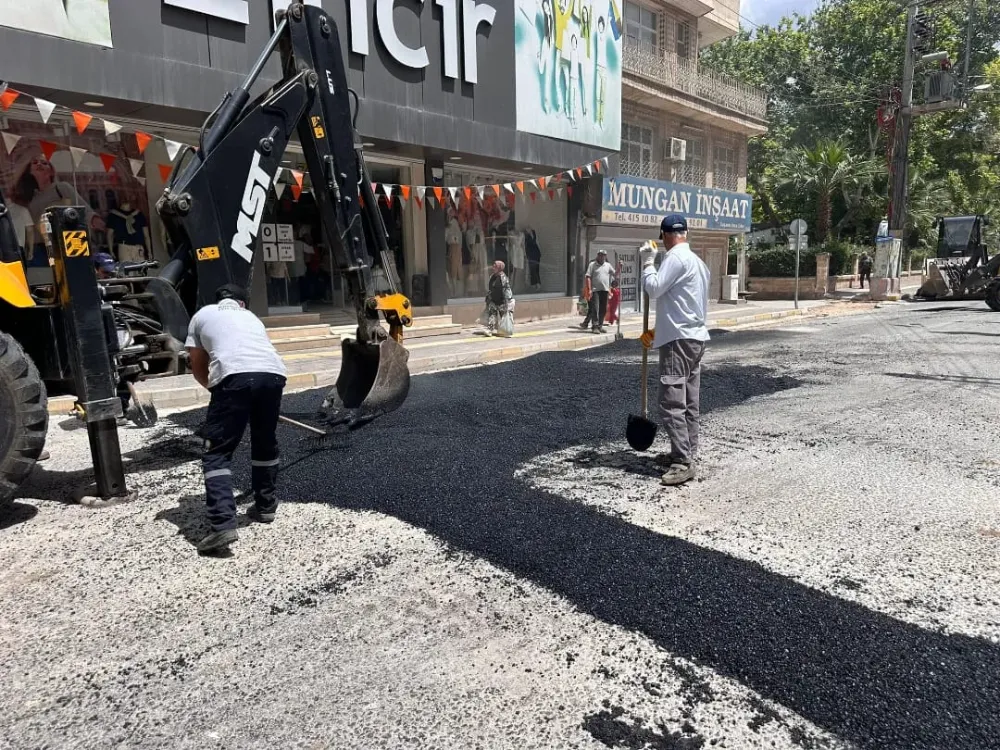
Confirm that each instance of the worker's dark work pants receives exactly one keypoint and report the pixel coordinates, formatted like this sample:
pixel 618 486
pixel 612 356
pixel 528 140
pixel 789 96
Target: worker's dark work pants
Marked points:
pixel 597 310
pixel 866 275
pixel 680 395
pixel 253 398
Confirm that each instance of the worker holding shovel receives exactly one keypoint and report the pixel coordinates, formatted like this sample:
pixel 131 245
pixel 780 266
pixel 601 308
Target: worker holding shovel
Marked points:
pixel 680 289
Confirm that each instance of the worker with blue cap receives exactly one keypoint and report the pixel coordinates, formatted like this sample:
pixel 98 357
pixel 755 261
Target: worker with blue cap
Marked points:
pixel 679 287
pixel 105 265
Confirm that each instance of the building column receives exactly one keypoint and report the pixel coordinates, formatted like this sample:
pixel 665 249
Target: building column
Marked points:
pixel 437 285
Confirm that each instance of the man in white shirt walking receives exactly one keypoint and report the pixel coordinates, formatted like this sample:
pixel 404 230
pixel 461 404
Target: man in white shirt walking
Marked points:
pixel 680 288
pixel 600 273
pixel 232 356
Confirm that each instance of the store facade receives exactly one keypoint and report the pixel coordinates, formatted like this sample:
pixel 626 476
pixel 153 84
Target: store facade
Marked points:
pixel 454 96
pixel 632 209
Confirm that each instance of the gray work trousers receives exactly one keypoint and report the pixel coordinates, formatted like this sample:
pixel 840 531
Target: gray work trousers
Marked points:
pixel 680 394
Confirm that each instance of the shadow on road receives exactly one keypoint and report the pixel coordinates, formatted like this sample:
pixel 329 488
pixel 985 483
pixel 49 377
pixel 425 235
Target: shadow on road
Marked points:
pixel 964 379
pixel 14 513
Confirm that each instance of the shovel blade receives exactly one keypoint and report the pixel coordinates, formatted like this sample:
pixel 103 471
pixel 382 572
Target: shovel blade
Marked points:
pixel 640 432
pixel 374 380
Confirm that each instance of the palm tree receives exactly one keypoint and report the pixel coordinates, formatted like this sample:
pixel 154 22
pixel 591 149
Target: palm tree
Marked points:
pixel 824 170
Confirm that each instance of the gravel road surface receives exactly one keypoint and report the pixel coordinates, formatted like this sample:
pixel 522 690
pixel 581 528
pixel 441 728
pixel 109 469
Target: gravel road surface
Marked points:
pixel 491 567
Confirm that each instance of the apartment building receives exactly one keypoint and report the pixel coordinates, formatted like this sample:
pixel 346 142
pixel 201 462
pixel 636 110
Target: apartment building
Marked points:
pixel 685 130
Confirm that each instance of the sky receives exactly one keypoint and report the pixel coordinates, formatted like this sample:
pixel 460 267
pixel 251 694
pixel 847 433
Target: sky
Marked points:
pixel 771 11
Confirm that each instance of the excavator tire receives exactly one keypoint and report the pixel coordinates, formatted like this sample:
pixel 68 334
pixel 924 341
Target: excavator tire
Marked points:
pixel 993 297
pixel 24 416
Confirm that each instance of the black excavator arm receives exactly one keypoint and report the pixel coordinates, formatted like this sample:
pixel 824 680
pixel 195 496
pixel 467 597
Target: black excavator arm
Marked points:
pixel 213 204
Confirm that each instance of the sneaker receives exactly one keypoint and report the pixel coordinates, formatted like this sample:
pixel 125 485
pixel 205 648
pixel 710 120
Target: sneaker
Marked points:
pixel 678 474
pixel 254 513
pixel 218 540
pixel 43 456
pixel 585 325
pixel 601 329
pixel 666 460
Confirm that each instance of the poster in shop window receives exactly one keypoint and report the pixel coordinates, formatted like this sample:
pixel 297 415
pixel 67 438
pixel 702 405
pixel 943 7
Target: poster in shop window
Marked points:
pixel 85 21
pixel 568 64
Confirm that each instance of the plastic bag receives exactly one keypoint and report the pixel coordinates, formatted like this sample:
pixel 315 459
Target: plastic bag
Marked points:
pixel 582 306
pixel 506 327
pixel 484 317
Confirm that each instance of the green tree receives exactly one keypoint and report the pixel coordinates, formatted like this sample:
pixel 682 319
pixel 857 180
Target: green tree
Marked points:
pixel 824 171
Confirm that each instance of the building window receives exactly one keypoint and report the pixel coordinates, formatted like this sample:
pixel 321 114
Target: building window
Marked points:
pixel 724 167
pixel 693 171
pixel 637 152
pixel 640 26
pixel 683 40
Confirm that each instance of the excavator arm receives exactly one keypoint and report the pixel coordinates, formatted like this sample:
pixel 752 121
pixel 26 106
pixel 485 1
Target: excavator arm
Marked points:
pixel 214 201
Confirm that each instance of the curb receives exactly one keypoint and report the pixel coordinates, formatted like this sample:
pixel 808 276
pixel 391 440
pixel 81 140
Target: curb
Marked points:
pixel 193 396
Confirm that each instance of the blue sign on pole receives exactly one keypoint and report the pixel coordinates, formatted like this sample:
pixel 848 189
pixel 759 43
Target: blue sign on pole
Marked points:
pixel 635 201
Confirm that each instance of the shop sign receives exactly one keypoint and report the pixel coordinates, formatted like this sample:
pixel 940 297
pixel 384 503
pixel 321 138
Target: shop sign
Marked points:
pixel 634 201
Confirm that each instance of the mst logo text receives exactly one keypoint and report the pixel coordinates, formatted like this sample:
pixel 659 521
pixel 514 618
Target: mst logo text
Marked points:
pixel 251 210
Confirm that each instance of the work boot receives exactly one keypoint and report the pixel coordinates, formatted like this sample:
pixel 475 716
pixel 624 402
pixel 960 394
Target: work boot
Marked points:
pixel 254 513
pixel 666 460
pixel 218 540
pixel 678 474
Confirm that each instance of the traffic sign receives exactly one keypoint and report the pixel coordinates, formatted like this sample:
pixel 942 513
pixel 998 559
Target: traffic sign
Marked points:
pixel 798 226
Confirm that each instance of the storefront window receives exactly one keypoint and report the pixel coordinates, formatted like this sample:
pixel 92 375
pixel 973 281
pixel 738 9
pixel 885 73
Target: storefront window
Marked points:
pixel 528 234
pixel 44 165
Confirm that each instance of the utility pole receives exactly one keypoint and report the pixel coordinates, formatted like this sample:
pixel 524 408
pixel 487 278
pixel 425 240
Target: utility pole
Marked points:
pixel 901 147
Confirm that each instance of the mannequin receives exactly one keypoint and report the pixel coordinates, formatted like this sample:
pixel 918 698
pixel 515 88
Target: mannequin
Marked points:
pixel 453 241
pixel 515 250
pixel 477 249
pixel 534 255
pixel 128 234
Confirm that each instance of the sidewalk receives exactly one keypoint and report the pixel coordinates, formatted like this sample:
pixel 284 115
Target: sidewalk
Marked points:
pixel 319 368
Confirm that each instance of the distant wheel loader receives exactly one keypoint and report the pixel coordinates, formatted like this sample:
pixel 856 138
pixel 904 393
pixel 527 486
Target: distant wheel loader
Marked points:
pixel 963 268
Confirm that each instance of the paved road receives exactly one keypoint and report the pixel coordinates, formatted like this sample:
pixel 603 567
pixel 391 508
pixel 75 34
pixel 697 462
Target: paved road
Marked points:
pixel 492 568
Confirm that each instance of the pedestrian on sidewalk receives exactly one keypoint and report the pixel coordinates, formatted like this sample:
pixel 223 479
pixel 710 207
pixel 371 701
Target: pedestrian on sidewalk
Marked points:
pixel 600 274
pixel 865 270
pixel 232 356
pixel 614 301
pixel 680 288
pixel 588 297
pixel 499 303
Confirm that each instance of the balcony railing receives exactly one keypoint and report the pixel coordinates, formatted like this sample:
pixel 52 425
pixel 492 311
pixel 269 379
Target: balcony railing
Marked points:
pixel 667 69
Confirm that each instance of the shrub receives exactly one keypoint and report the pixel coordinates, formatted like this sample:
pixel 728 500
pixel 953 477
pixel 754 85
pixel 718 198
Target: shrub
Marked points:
pixel 780 262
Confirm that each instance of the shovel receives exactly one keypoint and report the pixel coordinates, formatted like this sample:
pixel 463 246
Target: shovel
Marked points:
pixel 641 432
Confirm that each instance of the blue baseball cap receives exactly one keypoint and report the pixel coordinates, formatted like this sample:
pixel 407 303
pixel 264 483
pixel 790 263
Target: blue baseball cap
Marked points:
pixel 673 223
pixel 104 262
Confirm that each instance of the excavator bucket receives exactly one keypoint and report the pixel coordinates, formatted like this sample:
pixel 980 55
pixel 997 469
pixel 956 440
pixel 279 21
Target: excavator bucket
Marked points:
pixel 374 380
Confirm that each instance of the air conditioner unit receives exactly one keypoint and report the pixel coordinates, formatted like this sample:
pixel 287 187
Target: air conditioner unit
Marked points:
pixel 676 150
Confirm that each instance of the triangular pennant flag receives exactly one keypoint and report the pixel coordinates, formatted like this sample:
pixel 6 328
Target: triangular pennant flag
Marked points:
pixel 388 200
pixel 9 141
pixel 468 192
pixel 82 120
pixel 48 148
pixel 137 165
pixel 45 109
pixel 405 190
pixel 541 182
pixel 142 180
pixel 142 140
pixel 482 192
pixel 297 176
pixel 296 191
pixel 421 191
pixel 552 195
pixel 8 97
pixel 508 187
pixel 431 202
pixel 280 188
pixel 439 193
pixel 108 160
pixel 420 203
pixel 277 175
pixel 454 195
pixel 605 160
pixel 173 148
pixel 559 191
pixel 534 183
pixel 579 173
pixel 497 189
pixel 110 128
pixel 78 154
pixel 388 192
pixel 165 170
pixel 597 165
pixel 520 186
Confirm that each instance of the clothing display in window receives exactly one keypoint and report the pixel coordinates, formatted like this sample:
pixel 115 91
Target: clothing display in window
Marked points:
pixel 128 234
pixel 534 255
pixel 453 243
pixel 477 249
pixel 518 260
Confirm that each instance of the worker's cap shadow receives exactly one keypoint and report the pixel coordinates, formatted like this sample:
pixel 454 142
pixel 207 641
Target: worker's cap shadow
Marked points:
pixel 189 518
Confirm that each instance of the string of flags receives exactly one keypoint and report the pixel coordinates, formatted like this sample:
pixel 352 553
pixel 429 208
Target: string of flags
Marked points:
pixel 537 188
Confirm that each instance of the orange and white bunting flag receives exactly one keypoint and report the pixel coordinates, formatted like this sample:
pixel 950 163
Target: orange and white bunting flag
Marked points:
pixel 45 109
pixel 8 97
pixel 165 170
pixel 404 190
pixel 110 128
pixel 143 140
pixel 48 148
pixel 9 141
pixel 82 120
pixel 77 154
pixel 108 160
